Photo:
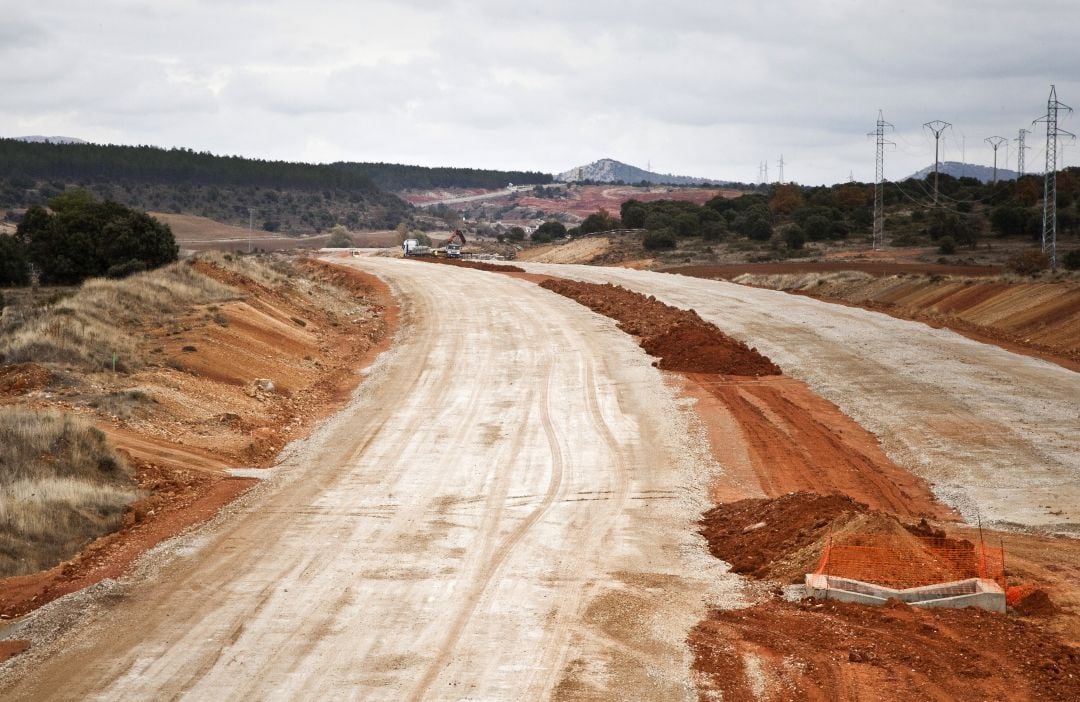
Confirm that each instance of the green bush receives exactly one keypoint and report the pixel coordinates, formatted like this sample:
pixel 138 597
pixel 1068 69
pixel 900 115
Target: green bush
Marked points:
pixel 13 261
pixel 83 238
pixel 947 245
pixel 1071 260
pixel 661 239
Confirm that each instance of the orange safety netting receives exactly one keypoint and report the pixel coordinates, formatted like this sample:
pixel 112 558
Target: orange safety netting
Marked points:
pixel 900 561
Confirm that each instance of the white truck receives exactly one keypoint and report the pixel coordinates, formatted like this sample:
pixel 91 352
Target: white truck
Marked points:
pixel 413 247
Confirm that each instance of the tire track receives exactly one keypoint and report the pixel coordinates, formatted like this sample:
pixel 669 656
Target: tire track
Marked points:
pixel 481 582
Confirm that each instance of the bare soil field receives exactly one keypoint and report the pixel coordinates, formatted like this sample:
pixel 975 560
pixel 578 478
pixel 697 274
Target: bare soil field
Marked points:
pixel 201 234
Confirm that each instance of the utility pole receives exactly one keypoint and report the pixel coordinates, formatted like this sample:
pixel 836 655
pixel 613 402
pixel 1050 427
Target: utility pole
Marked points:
pixel 879 181
pixel 995 142
pixel 937 127
pixel 1049 228
pixel 1020 153
pixel 781 181
pixel 765 165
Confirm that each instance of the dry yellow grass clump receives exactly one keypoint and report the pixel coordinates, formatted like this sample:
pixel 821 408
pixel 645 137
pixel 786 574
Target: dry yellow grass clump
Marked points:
pixel 87 328
pixel 61 486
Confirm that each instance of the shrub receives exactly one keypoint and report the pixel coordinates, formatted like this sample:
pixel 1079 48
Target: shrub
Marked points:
pixel 794 237
pixel 947 245
pixel 549 231
pixel 340 239
pixel 13 261
pixel 1071 261
pixel 1027 262
pixel 657 240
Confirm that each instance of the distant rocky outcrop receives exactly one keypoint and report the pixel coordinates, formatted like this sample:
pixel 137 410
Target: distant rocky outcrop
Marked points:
pixel 956 169
pixel 608 170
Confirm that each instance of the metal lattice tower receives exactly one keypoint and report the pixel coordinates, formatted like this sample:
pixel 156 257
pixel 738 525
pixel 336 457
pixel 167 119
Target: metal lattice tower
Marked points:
pixel 1020 152
pixel 781 164
pixel 937 127
pixel 995 142
pixel 1049 228
pixel 879 181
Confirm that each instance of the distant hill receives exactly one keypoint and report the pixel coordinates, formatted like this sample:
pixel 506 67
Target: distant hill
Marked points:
pixel 38 139
pixel 956 169
pixel 608 170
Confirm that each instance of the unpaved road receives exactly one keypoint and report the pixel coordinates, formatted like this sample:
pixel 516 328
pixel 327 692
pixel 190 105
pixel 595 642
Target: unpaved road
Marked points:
pixel 997 434
pixel 504 512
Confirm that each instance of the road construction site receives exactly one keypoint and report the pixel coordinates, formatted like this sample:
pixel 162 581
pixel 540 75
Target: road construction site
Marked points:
pixel 520 502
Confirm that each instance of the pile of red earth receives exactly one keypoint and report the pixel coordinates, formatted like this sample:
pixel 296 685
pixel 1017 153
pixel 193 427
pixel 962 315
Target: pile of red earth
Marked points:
pixel 477 265
pixel 835 651
pixel 681 339
pixel 21 378
pixel 758 537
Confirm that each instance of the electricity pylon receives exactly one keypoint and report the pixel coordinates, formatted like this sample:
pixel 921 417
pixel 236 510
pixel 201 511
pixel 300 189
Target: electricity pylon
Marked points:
pixel 1049 228
pixel 879 181
pixel 937 127
pixel 995 142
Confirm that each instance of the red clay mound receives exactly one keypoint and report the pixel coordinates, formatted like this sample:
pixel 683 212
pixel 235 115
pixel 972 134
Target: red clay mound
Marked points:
pixel 21 378
pixel 755 535
pixel 835 651
pixel 681 339
pixel 476 265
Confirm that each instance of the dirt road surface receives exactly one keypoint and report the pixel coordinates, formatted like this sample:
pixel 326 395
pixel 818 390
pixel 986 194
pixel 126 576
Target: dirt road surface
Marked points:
pixel 997 434
pixel 505 511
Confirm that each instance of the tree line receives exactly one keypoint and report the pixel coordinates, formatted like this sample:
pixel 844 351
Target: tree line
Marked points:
pixel 790 215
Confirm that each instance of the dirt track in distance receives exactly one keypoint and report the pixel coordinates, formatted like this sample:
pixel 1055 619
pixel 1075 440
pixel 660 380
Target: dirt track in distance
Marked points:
pixel 506 511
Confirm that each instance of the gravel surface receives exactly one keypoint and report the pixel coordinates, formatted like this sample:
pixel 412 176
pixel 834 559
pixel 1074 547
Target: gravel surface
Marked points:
pixel 997 434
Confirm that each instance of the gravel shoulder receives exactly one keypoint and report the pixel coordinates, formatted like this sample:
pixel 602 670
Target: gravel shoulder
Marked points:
pixel 996 434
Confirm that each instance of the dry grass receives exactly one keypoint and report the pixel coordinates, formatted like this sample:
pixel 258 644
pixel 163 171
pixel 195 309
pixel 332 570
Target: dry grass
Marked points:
pixel 85 329
pixel 61 486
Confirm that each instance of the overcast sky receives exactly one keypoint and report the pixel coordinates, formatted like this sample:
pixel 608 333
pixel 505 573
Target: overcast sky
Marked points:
pixel 696 88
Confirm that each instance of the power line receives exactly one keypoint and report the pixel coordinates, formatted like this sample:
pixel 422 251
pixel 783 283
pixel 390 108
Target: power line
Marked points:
pixel 879 179
pixel 937 127
pixel 1049 228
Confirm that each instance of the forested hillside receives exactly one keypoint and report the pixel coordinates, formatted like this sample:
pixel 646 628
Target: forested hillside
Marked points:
pixel 277 195
pixel 396 177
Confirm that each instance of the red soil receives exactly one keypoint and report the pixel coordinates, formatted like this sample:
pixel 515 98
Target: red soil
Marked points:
pixel 12 648
pixel 21 378
pixel 475 265
pixel 180 457
pixel 680 338
pixel 775 436
pixel 833 651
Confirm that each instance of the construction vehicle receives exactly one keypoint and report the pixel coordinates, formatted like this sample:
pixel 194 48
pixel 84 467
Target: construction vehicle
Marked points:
pixel 451 249
pixel 413 247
